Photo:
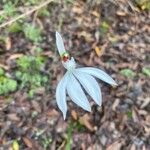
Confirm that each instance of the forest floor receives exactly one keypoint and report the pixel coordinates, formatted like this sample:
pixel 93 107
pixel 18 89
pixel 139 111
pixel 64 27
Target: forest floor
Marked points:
pixel 111 35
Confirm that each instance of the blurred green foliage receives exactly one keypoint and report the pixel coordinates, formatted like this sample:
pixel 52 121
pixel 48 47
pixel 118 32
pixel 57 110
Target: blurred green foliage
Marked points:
pixel 146 71
pixel 128 73
pixel 43 12
pixel 32 32
pixel 6 84
pixel 29 72
pixel 69 136
pixel 31 2
pixel 104 27
pixel 1 72
pixel 46 141
pixel 15 27
pixel 9 10
pixel 143 4
pixel 15 145
pixel 129 114
pixel 30 63
pixel 73 126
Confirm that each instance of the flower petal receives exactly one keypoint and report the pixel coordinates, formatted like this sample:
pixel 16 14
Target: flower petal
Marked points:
pixel 60 43
pixel 76 93
pixel 90 85
pixel 99 74
pixel 61 95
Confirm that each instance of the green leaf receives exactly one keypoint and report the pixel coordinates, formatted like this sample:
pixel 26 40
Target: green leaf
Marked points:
pixel 128 73
pixel 104 27
pixel 31 93
pixel 129 113
pixel 1 72
pixel 146 71
pixel 15 145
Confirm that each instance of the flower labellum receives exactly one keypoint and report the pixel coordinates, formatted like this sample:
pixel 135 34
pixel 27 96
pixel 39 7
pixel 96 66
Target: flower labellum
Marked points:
pixel 77 79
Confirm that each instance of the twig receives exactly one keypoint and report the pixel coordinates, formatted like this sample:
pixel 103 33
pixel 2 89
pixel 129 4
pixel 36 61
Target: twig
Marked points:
pixel 26 13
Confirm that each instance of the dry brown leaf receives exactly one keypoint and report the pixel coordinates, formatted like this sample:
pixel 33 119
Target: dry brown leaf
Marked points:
pixel 115 104
pixel 40 90
pixel 146 102
pixel 95 147
pixel 98 51
pixel 148 119
pixel 85 120
pixel 135 115
pixel 95 13
pixel 142 112
pixel 4 67
pixel 86 35
pixel 61 126
pixel 133 147
pixel 52 113
pixel 36 106
pixel 48 53
pixel 121 13
pixel 78 10
pixel 143 147
pixel 27 142
pixel 74 114
pixel 115 146
pixel 8 43
pixel 13 117
pixel 14 56
pixel 147 130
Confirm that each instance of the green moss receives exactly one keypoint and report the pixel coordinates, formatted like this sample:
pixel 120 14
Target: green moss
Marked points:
pixel 29 73
pixel 32 33
pixel 7 85
pixel 30 63
pixel 9 9
pixel 128 73
pixel 15 27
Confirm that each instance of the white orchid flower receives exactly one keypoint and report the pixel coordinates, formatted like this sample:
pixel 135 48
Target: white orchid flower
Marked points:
pixel 76 78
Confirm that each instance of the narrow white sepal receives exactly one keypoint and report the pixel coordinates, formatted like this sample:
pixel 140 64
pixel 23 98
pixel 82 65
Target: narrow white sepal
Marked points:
pixel 99 74
pixel 61 95
pixel 60 44
pixel 76 93
pixel 90 85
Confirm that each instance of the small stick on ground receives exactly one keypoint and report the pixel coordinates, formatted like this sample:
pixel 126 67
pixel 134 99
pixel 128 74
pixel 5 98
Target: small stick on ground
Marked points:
pixel 26 13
